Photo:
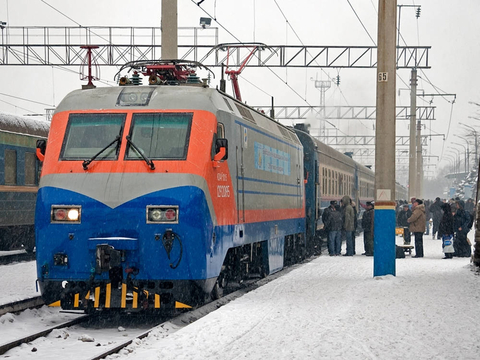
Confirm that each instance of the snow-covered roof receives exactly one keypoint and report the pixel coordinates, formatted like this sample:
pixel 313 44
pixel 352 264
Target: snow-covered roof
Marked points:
pixel 24 125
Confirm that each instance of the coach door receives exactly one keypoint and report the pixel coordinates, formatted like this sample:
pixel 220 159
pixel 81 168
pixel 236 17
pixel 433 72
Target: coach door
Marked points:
pixel 241 144
pixel 300 178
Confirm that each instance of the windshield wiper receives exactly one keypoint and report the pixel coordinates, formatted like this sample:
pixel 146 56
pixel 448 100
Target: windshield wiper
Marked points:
pixel 87 162
pixel 147 160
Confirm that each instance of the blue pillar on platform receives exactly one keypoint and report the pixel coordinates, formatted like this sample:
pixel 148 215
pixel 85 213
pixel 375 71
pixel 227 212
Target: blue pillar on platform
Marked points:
pixel 384 240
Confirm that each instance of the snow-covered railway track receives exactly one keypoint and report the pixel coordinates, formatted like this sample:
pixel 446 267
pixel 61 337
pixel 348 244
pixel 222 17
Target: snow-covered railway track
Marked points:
pixel 15 256
pixel 105 334
pixel 33 336
pixel 21 305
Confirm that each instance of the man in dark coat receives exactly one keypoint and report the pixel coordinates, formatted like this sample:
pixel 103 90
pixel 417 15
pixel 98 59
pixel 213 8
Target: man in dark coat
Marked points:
pixel 461 223
pixel 325 215
pixel 436 213
pixel 446 227
pixel 402 218
pixel 335 224
pixel 367 225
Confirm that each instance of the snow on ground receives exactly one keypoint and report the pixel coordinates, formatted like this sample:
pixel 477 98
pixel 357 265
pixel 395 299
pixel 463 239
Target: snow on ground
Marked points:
pixel 17 281
pixel 332 307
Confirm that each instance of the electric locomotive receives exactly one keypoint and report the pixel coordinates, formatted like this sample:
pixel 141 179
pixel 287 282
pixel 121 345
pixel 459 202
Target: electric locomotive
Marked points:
pixel 154 197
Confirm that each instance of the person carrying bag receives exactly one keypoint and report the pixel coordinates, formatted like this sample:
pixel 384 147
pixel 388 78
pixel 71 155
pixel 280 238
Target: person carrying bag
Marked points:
pixel 446 230
pixel 447 243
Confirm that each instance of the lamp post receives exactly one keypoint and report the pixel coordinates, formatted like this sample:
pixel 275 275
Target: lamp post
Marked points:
pixel 454 161
pixel 466 155
pixel 474 134
pixel 468 150
pixel 449 161
pixel 457 155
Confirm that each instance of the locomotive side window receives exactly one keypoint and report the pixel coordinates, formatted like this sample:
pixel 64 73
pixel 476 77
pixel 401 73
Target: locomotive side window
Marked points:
pixel 219 135
pixel 160 135
pixel 220 131
pixel 10 167
pixel 89 134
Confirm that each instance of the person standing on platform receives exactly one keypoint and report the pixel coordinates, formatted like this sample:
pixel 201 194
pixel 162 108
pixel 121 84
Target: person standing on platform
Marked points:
pixel 325 215
pixel 461 223
pixel 427 216
pixel 417 226
pixel 436 213
pixel 355 223
pixel 412 203
pixel 446 230
pixel 348 224
pixel 367 225
pixel 335 224
pixel 402 218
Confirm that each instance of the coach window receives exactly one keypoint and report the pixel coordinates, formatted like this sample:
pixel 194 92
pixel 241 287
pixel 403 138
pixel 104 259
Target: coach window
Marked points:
pixel 160 135
pixel 30 170
pixel 329 182
pixel 342 185
pixel 90 134
pixel 336 183
pixel 324 181
pixel 10 167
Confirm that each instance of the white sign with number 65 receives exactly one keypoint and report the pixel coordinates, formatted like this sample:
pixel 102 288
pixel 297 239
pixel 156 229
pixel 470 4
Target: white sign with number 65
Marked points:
pixel 382 76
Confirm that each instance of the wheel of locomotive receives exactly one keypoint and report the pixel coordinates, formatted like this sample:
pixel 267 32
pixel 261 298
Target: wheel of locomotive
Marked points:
pixel 219 287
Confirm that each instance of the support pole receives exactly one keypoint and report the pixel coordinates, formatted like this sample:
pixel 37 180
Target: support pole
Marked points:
pixel 412 155
pixel 169 30
pixel 384 225
pixel 476 248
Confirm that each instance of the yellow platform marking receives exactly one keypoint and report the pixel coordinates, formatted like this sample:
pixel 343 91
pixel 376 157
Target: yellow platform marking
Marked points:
pixel 179 305
pixel 108 295
pixel 384 207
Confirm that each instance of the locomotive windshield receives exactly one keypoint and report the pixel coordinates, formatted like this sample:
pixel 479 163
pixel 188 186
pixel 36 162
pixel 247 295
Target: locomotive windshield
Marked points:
pixel 160 135
pixel 88 134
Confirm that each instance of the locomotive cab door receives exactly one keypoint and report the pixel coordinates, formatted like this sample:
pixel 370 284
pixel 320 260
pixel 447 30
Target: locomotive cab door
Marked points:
pixel 242 143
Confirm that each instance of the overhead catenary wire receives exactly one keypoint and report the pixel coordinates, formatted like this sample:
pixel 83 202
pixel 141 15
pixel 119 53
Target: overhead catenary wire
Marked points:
pixel 358 17
pixel 16 106
pixel 105 82
pixel 275 74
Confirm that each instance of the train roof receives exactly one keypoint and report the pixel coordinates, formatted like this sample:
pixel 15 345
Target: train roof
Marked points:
pixel 309 140
pixel 159 97
pixel 167 97
pixel 24 125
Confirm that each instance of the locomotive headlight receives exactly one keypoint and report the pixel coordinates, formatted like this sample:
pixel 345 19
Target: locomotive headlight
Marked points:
pixel 73 215
pixel 162 214
pixel 156 215
pixel 66 214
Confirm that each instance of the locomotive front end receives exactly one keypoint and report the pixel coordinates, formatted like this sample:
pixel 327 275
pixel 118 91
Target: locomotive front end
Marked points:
pixel 124 216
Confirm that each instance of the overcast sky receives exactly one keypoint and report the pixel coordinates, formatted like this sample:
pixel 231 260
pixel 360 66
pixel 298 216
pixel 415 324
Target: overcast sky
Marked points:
pixel 451 28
